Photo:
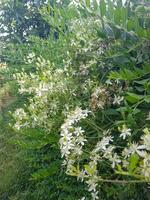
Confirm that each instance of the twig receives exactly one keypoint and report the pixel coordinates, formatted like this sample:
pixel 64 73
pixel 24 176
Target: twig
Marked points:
pixel 123 181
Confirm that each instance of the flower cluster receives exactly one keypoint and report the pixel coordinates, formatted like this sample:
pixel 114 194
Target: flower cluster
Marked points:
pixel 3 66
pixel 20 117
pixel 46 87
pixel 99 98
pixel 30 58
pixel 142 151
pixel 72 139
pixel 53 92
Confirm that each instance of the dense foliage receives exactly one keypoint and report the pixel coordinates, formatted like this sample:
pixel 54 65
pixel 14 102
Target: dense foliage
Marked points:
pixel 21 18
pixel 83 123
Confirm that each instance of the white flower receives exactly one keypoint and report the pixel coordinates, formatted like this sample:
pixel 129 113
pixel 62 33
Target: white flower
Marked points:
pixel 75 3
pixel 109 82
pixel 101 145
pixel 81 175
pixel 101 104
pixel 66 143
pixel 106 132
pixel 83 198
pixel 78 131
pixel 94 195
pixel 77 115
pixel 117 100
pixel 108 151
pixel 17 126
pixel 77 150
pixel 80 140
pixel 115 160
pixel 3 66
pixel 43 87
pixel 125 163
pixel 95 158
pixel 126 152
pixel 20 114
pixel 69 164
pixel 134 148
pixel 146 172
pixel 146 166
pixel 146 158
pixel 66 126
pixel 65 133
pixel 98 91
pixel 66 149
pixel 30 57
pixel 92 183
pixel 146 140
pixel 125 132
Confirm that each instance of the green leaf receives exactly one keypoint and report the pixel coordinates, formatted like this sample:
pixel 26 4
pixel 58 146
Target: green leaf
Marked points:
pixel 147 99
pixel 124 14
pixel 140 9
pixel 133 161
pixel 136 25
pixel 146 68
pixel 131 120
pixel 130 25
pixel 124 74
pixel 110 10
pixel 133 98
pixel 43 173
pixel 117 15
pixel 48 8
pixel 119 168
pixel 90 170
pixel 143 82
pixel 101 34
pixel 102 8
pixel 122 109
pixel 111 112
pixel 136 111
pixel 95 4
pixel 109 31
pixel 140 89
pixel 88 3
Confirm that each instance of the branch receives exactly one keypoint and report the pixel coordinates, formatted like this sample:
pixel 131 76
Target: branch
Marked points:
pixel 123 181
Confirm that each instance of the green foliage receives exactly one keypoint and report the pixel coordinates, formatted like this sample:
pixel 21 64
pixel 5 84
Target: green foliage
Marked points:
pixel 19 19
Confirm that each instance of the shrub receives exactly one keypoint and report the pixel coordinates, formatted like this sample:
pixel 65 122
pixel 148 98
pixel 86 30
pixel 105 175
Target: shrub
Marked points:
pixel 93 103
